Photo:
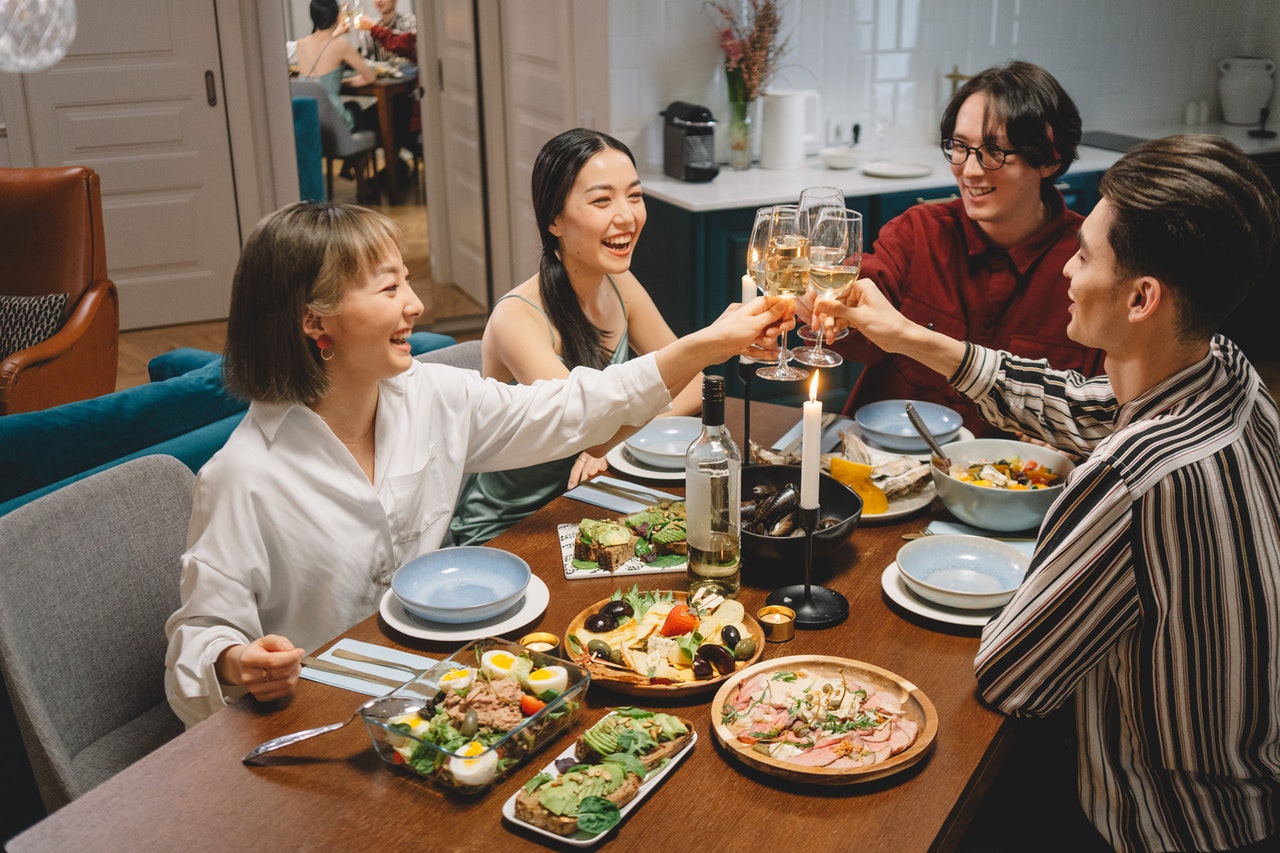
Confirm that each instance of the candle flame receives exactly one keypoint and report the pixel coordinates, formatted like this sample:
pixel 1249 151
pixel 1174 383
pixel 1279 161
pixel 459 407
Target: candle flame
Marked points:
pixel 813 388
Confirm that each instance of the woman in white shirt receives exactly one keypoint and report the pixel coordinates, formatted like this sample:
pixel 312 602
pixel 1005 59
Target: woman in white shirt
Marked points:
pixel 351 455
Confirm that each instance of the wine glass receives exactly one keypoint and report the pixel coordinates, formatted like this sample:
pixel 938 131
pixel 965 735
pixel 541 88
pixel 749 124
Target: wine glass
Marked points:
pixel 812 201
pixel 835 258
pixel 786 274
pixel 757 248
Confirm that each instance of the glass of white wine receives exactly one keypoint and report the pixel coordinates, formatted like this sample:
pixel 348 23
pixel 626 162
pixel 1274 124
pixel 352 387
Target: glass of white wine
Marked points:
pixel 835 258
pixel 812 201
pixel 757 248
pixel 786 274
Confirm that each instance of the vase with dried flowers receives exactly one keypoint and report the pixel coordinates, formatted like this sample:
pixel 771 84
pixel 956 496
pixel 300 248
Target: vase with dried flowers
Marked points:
pixel 750 40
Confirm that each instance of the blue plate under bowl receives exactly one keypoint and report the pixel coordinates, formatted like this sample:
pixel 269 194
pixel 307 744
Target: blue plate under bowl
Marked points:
pixel 886 424
pixel 461 585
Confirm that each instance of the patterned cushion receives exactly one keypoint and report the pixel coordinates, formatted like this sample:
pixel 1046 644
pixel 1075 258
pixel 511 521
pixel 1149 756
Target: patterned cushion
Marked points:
pixel 27 320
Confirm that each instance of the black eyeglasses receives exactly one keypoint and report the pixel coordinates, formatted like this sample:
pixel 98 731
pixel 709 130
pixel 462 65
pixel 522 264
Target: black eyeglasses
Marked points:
pixel 990 157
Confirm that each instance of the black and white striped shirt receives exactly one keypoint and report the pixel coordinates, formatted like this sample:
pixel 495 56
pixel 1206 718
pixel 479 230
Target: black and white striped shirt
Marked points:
pixel 1153 598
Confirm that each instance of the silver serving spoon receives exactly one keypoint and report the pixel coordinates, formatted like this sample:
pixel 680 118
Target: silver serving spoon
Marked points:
pixel 939 458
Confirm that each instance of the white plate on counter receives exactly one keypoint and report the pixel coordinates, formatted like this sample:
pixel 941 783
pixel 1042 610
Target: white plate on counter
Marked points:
pixel 536 599
pixel 624 463
pixel 894 587
pixel 894 169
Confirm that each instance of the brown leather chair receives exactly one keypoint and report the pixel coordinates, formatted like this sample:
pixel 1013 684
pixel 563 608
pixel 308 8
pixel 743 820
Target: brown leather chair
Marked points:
pixel 51 241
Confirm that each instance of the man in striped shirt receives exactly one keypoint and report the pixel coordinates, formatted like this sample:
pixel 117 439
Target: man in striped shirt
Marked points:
pixel 1153 600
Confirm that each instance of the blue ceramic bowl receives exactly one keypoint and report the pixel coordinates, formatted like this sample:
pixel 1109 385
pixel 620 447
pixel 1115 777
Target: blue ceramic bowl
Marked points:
pixel 961 571
pixel 461 585
pixel 886 424
pixel 663 441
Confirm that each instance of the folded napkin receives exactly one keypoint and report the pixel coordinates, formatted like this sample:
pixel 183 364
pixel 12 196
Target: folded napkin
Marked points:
pixel 348 682
pixel 1027 547
pixel 617 495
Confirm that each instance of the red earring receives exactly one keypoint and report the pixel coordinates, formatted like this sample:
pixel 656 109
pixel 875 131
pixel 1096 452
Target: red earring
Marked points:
pixel 325 343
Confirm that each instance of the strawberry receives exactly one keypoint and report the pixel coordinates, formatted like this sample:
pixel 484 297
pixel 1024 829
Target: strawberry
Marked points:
pixel 530 705
pixel 681 620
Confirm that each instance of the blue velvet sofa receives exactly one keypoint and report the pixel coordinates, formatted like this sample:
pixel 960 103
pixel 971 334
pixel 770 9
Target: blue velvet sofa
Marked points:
pixel 184 411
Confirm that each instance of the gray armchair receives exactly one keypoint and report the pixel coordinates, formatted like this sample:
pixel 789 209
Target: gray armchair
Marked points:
pixel 337 141
pixel 90 576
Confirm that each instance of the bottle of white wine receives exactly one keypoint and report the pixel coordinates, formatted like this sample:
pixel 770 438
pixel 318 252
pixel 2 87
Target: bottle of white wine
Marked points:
pixel 713 499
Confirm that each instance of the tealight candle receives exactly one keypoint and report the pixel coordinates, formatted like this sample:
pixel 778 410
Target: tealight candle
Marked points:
pixel 811 437
pixel 748 289
pixel 540 641
pixel 778 623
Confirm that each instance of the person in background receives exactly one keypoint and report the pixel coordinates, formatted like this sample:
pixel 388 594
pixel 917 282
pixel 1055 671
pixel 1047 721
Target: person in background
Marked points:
pixel 583 307
pixel 1153 599
pixel 985 267
pixel 324 56
pixel 348 461
pixel 389 34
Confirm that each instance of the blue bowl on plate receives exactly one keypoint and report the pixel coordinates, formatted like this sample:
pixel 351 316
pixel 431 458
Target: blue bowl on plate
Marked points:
pixel 461 585
pixel 887 424
pixel 962 571
pixel 663 441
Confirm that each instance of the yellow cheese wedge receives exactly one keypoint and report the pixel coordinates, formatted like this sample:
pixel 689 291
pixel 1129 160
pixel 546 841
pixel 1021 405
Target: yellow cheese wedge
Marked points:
pixel 857 476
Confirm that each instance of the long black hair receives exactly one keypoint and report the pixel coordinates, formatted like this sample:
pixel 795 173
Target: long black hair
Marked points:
pixel 554 172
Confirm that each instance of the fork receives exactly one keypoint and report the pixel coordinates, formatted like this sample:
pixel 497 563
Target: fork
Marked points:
pixel 925 531
pixel 356 656
pixel 288 740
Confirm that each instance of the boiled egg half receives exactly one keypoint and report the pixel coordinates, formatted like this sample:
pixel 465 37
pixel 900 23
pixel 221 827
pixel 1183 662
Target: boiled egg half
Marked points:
pixel 496 663
pixel 474 771
pixel 554 678
pixel 458 679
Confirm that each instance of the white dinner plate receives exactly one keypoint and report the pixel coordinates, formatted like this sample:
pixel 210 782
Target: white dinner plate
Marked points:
pixel 893 586
pixel 894 169
pixel 902 508
pixel 621 461
pixel 585 839
pixel 536 599
pixel 964 435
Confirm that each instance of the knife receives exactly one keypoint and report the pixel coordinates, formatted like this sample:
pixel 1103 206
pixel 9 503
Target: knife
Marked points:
pixel 642 496
pixel 339 669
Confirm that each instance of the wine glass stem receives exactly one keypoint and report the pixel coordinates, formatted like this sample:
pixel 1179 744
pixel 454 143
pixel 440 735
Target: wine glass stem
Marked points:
pixel 782 350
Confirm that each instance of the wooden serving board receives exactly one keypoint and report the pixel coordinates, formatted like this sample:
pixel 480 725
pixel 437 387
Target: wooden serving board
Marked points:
pixel 915 704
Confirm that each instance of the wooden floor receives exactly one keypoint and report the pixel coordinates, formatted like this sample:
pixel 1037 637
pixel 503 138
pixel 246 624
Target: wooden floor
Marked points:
pixel 447 308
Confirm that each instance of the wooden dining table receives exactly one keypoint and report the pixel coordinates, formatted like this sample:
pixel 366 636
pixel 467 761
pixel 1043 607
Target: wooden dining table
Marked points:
pixel 385 90
pixel 334 792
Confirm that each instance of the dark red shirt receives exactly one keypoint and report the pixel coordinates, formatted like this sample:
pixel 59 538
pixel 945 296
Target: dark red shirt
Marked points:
pixel 940 270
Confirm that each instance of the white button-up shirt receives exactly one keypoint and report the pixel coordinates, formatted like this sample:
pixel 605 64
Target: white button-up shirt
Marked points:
pixel 289 537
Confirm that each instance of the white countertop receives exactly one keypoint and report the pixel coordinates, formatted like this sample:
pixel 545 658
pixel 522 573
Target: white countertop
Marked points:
pixel 756 187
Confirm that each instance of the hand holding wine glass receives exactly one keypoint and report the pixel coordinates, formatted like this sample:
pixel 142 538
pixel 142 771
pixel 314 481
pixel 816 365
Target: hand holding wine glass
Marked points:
pixel 835 259
pixel 786 274
pixel 812 201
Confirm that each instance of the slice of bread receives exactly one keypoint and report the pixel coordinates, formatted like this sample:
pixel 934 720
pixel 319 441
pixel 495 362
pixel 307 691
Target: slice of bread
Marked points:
pixel 529 807
pixel 586 749
pixel 606 543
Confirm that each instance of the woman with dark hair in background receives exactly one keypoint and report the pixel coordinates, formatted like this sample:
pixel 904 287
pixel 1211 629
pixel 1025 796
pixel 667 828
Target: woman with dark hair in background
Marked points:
pixel 583 307
pixel 986 267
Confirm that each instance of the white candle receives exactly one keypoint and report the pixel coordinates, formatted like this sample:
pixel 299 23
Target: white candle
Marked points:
pixel 748 289
pixel 811 438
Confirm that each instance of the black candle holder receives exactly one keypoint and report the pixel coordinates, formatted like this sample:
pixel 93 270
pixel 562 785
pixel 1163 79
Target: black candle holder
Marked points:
pixel 815 606
pixel 746 372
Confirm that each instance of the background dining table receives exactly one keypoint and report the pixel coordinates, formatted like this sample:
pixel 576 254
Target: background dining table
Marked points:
pixel 334 792
pixel 385 90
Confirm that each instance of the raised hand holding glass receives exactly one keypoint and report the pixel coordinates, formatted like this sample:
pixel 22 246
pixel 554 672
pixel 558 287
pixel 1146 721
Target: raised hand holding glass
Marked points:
pixel 786 274
pixel 835 259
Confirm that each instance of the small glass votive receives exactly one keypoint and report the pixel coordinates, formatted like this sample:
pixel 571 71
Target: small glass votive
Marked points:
pixel 541 641
pixel 778 622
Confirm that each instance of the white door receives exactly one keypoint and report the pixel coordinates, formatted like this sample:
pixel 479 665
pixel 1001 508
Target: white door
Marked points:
pixel 451 129
pixel 139 99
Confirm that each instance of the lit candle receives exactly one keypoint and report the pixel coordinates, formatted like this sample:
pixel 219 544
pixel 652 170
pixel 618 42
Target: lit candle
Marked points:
pixel 811 447
pixel 748 289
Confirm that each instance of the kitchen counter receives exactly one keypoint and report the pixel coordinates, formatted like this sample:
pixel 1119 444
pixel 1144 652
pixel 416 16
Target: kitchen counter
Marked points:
pixel 1239 134
pixel 756 187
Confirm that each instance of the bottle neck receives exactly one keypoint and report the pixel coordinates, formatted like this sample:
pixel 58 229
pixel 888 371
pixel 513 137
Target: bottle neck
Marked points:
pixel 713 412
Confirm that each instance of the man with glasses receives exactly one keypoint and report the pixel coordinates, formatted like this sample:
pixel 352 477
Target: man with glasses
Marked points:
pixel 986 267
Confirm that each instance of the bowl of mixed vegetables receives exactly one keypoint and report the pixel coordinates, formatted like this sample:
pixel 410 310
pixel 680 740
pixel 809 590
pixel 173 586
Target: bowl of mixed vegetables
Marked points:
pixel 475 716
pixel 1000 484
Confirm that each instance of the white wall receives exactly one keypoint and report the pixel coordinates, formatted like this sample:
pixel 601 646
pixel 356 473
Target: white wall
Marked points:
pixel 1124 62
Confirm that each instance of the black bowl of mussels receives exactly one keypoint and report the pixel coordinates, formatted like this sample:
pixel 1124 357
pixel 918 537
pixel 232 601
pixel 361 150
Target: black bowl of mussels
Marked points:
pixel 771 533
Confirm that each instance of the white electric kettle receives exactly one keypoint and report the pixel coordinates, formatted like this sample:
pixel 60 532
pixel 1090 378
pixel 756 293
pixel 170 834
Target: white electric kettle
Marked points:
pixel 790 127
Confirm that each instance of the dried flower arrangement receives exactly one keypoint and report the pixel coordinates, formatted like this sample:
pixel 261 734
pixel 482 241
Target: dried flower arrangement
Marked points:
pixel 750 40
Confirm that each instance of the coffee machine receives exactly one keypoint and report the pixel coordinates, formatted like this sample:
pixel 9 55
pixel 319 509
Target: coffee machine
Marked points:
pixel 689 142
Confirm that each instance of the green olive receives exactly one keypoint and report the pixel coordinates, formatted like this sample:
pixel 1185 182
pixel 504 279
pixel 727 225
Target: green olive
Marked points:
pixel 599 649
pixel 470 724
pixel 615 655
pixel 745 649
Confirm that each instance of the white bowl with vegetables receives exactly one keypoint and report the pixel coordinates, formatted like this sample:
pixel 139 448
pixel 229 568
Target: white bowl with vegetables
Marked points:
pixel 1000 484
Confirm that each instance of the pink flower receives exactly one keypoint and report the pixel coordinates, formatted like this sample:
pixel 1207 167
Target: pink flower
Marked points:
pixel 749 40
